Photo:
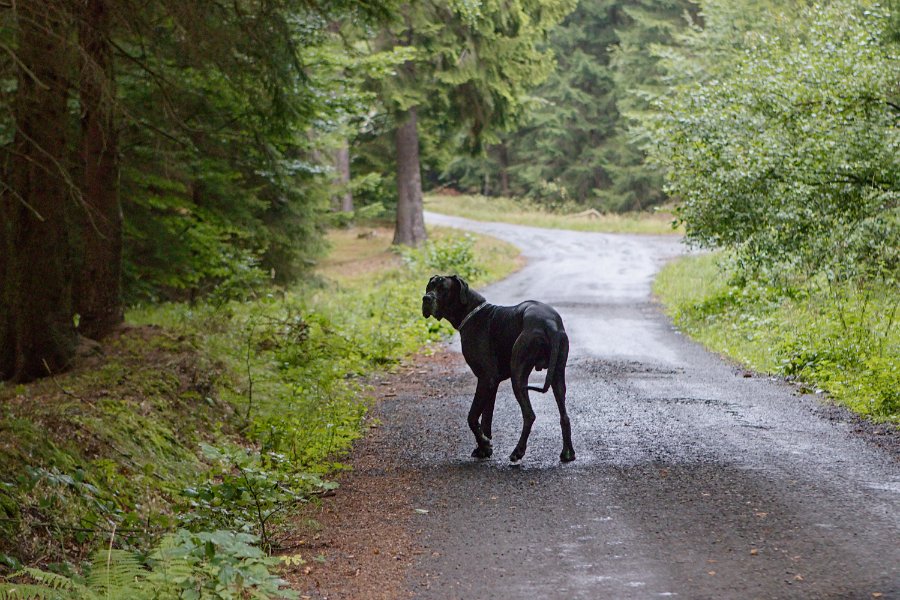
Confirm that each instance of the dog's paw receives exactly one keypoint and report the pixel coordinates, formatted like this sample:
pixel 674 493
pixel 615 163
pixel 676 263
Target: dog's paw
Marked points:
pixel 567 455
pixel 482 452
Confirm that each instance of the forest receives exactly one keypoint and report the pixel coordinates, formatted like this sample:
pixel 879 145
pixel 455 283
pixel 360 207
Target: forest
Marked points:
pixel 183 161
pixel 182 150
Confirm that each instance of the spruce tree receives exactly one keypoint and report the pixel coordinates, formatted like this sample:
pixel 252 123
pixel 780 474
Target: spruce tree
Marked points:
pixel 474 64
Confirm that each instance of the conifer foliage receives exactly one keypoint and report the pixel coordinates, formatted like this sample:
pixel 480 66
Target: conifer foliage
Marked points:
pixel 162 150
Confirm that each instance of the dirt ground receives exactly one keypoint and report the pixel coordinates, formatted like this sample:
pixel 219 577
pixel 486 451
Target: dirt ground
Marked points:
pixel 362 543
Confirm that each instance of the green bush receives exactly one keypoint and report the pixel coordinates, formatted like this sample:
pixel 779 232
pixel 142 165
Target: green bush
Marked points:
pixel 451 254
pixel 220 565
pixel 217 415
pixel 842 338
pixel 787 154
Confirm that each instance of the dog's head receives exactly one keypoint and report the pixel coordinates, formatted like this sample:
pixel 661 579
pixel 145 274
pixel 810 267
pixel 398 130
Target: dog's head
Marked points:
pixel 444 295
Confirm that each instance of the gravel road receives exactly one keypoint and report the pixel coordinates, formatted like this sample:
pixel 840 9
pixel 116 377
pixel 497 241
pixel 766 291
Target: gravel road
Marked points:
pixel 694 479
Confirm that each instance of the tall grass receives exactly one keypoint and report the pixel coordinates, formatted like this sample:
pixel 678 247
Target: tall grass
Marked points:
pixel 843 339
pixel 561 216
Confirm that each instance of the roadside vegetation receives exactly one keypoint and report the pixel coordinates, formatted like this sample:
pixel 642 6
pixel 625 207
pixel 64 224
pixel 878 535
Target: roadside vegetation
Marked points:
pixel 558 215
pixel 181 163
pixel 786 156
pixel 840 339
pixel 165 465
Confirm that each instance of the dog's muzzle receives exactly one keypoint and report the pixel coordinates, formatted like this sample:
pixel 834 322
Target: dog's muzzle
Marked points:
pixel 429 305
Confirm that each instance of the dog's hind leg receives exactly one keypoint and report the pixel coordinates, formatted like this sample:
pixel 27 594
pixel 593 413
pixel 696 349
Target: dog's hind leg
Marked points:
pixel 521 364
pixel 559 392
pixel 485 392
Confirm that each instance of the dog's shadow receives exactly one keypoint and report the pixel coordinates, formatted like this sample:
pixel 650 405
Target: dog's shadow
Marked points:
pixel 530 463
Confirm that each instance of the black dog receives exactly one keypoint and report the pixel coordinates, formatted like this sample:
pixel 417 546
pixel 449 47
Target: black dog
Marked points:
pixel 499 343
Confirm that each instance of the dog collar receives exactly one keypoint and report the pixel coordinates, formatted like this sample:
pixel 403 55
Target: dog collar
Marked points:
pixel 470 315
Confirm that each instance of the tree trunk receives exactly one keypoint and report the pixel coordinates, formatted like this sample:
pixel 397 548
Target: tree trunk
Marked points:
pixel 342 168
pixel 7 341
pixel 503 156
pixel 98 292
pixel 38 273
pixel 410 230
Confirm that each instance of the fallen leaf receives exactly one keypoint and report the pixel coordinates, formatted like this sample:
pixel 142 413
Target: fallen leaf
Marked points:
pixel 754 551
pixel 798 577
pixel 422 511
pixel 711 572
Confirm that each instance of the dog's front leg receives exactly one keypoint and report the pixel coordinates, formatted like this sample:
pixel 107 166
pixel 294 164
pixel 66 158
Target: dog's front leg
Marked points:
pixel 487 411
pixel 485 393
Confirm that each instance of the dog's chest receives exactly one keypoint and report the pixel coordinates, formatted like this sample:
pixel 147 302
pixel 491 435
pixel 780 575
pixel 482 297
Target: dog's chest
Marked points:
pixel 487 343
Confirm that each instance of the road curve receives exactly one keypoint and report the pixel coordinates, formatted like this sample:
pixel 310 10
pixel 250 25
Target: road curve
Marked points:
pixel 693 480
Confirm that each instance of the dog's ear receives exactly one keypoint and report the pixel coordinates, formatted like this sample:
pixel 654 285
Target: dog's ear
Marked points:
pixel 463 290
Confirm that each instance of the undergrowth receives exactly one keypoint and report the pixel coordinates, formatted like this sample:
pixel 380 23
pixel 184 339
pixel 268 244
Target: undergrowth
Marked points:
pixel 842 338
pixel 200 428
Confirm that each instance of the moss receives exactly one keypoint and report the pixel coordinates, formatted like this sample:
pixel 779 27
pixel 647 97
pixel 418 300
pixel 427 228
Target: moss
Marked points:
pixel 103 445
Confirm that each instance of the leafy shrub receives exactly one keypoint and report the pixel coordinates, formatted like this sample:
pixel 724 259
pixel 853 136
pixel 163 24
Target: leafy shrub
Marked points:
pixel 244 491
pixel 367 213
pixel 452 254
pixel 790 156
pixel 219 565
pixel 213 564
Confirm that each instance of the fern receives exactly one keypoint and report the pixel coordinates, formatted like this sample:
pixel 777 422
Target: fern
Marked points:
pixel 23 591
pixel 113 574
pixel 206 564
pixel 47 585
pixel 117 574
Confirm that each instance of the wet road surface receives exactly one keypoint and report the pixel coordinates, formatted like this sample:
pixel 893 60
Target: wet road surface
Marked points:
pixel 692 480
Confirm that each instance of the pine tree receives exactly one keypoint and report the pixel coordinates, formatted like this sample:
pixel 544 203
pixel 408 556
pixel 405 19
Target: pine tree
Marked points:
pixel 201 112
pixel 38 334
pixel 638 78
pixel 577 143
pixel 559 154
pixel 98 286
pixel 473 67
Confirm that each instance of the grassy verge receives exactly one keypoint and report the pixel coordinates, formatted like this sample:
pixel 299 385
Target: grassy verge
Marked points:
pixel 841 339
pixel 523 212
pixel 183 444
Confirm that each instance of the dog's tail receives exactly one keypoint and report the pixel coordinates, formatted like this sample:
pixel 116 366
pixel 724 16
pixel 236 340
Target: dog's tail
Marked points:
pixel 556 341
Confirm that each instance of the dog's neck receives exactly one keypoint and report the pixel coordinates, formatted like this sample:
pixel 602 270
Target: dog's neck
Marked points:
pixel 474 301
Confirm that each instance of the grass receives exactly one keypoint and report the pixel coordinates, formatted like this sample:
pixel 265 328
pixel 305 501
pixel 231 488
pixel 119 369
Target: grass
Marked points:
pixel 361 254
pixel 215 416
pixel 841 339
pixel 523 212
